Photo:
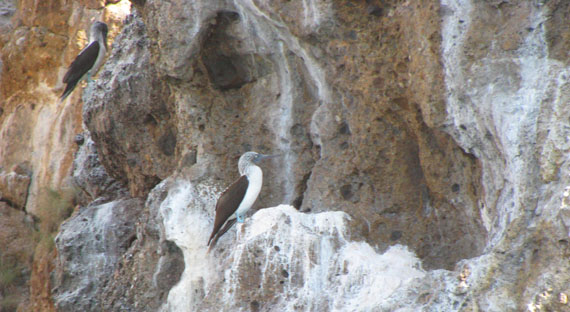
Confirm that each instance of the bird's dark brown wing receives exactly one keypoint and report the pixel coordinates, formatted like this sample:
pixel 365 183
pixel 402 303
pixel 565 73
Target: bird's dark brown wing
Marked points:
pixel 228 203
pixel 82 63
pixel 80 66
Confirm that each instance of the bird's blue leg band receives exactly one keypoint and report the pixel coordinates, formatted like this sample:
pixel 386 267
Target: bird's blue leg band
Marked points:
pixel 240 219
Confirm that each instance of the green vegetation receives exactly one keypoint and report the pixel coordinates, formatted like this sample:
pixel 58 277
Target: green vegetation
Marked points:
pixel 54 208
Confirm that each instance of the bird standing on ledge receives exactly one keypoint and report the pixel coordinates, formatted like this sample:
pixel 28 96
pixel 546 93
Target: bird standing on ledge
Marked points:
pixel 236 200
pixel 89 59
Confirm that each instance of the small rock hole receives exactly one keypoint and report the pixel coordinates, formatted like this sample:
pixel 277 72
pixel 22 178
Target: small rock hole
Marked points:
pixel 346 191
pixel 344 129
pixel 455 188
pixel 396 235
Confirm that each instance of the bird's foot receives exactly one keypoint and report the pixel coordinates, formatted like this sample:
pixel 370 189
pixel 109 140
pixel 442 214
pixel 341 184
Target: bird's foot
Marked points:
pixel 240 219
pixel 89 79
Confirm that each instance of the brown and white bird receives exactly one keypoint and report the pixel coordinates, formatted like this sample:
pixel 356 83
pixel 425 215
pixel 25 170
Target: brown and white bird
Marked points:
pixel 238 198
pixel 89 59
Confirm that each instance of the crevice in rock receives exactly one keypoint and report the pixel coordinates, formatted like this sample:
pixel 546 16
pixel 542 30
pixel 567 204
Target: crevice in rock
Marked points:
pixel 167 142
pixel 9 203
pixel 226 68
pixel 302 188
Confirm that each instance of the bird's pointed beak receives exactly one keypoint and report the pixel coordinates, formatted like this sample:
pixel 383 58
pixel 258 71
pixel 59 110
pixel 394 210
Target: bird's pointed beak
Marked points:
pixel 105 41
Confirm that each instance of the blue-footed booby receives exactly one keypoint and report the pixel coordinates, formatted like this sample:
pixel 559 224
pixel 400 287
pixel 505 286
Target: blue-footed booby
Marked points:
pixel 89 59
pixel 236 200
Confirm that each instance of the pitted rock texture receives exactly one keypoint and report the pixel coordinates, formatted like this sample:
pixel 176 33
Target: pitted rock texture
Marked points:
pixel 438 125
pixel 367 118
pixel 265 79
pixel 89 175
pixel 130 115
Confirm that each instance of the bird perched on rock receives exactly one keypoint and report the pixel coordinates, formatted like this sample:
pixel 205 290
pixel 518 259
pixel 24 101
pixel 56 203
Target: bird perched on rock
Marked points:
pixel 236 200
pixel 89 59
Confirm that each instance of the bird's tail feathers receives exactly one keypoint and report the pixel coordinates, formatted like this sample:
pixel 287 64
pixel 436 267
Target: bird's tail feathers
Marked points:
pixel 214 239
pixel 68 89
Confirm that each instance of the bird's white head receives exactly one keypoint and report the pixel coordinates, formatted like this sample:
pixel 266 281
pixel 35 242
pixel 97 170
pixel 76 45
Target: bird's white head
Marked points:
pixel 99 31
pixel 250 159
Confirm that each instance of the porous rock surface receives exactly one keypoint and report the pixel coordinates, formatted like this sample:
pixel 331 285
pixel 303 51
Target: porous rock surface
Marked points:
pixel 422 141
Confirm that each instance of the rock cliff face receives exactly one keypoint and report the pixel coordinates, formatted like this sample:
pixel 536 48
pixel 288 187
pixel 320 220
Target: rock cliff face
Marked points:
pixel 423 157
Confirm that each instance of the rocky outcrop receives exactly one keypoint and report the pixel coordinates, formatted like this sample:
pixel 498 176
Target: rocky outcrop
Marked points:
pixel 89 248
pixel 423 147
pixel 14 186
